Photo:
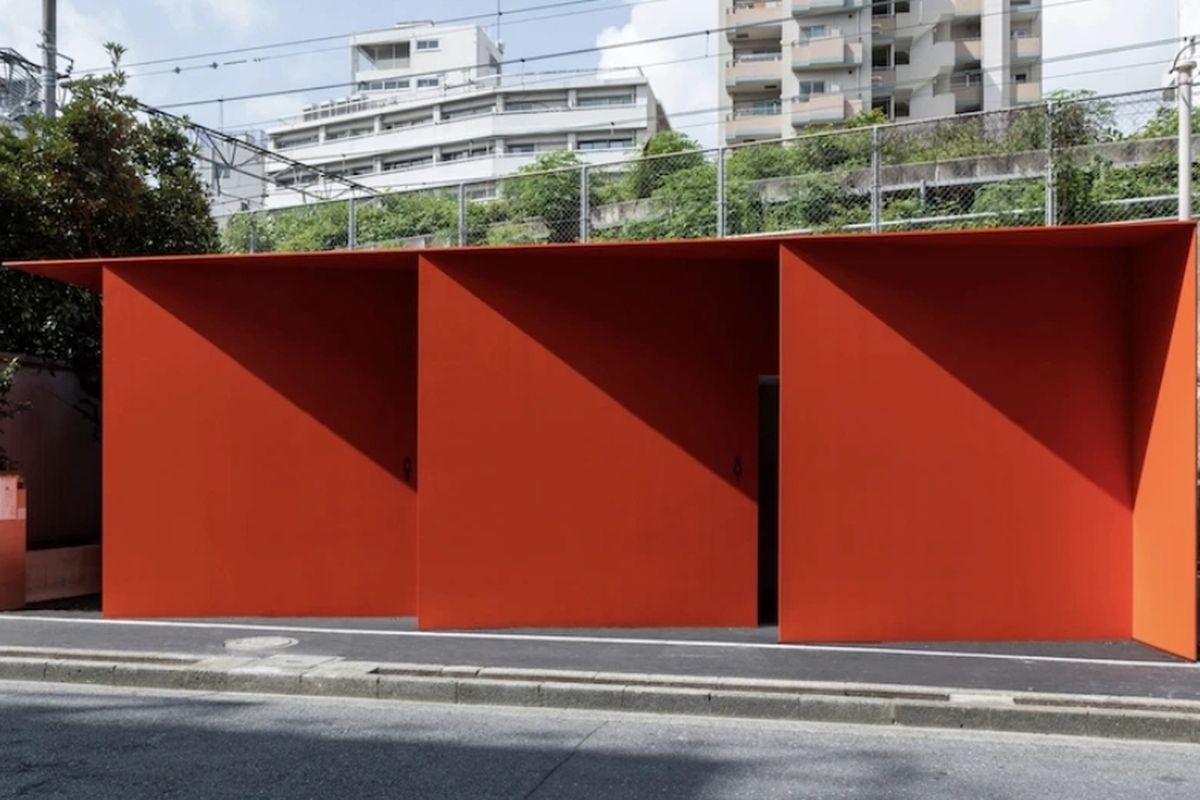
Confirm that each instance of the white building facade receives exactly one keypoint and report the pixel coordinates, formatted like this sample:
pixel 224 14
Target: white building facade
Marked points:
pixel 433 108
pixel 792 63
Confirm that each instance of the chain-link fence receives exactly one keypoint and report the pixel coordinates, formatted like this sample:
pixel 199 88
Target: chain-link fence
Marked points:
pixel 1071 161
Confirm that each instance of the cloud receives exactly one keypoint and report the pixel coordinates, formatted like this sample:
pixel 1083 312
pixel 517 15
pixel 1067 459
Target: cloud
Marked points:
pixel 1088 25
pixel 681 87
pixel 1189 18
pixel 234 16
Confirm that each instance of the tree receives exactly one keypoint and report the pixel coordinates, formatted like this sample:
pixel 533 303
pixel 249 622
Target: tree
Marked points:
pixel 666 153
pixel 546 192
pixel 8 409
pixel 94 181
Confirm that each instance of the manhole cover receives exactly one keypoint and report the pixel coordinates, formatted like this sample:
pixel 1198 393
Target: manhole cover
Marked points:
pixel 259 643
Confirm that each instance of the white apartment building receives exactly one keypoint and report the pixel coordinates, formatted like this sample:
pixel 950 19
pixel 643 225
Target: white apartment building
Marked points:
pixel 433 108
pixel 792 63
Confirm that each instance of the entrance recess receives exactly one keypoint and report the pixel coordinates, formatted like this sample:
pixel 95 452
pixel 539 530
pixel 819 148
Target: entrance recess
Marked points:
pixel 768 499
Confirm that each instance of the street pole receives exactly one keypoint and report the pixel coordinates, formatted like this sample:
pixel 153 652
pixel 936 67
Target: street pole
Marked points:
pixel 49 57
pixel 1183 94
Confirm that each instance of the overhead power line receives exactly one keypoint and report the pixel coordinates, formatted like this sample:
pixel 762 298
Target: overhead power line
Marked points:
pixel 180 69
pixel 332 37
pixel 544 57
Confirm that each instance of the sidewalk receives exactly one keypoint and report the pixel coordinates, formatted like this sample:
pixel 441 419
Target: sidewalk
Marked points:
pixel 1116 688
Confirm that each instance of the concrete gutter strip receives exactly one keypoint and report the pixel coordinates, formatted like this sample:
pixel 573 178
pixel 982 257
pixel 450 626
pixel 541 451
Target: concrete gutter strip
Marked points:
pixel 866 704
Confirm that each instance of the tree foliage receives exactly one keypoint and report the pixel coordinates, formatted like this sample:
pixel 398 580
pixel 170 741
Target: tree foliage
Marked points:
pixel 96 180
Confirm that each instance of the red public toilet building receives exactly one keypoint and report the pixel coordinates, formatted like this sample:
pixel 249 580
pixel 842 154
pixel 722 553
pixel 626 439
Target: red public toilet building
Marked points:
pixel 934 436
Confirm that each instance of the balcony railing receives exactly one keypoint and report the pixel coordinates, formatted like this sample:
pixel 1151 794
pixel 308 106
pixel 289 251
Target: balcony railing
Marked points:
pixel 1025 48
pixel 968 50
pixel 824 108
pixel 754 122
pixel 758 19
pixel 819 53
pixel 748 71
pixel 801 8
pixel 1029 92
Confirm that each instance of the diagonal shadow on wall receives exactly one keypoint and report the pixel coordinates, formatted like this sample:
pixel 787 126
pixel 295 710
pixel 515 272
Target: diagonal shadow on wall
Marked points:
pixel 338 343
pixel 678 342
pixel 1041 335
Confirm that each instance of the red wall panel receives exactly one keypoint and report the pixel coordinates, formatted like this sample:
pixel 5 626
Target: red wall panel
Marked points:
pixel 256 427
pixel 580 420
pixel 1164 445
pixel 955 439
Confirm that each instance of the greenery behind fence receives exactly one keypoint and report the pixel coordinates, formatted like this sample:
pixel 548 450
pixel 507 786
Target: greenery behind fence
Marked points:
pixel 1100 159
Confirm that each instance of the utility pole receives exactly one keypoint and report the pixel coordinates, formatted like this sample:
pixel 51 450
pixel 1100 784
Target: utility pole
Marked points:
pixel 1184 68
pixel 49 57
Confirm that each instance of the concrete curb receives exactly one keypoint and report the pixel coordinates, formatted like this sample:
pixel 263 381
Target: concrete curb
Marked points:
pixel 864 704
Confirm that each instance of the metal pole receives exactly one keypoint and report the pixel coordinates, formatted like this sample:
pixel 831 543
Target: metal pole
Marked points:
pixel 876 181
pixel 722 222
pixel 351 223
pixel 585 209
pixel 462 215
pixel 1183 93
pixel 1050 190
pixel 253 233
pixel 50 57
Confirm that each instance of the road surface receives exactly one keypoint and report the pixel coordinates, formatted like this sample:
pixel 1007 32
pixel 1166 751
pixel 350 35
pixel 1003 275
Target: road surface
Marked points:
pixel 97 743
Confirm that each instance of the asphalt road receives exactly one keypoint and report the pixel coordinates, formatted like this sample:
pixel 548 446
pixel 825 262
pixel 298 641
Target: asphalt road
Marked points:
pixel 96 743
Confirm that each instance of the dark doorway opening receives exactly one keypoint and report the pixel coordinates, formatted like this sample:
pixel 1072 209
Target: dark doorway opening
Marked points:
pixel 768 499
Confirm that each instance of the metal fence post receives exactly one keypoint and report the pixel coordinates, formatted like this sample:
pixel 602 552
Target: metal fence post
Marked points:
pixel 1183 94
pixel 462 215
pixel 253 232
pixel 1051 190
pixel 351 223
pixel 876 181
pixel 585 205
pixel 721 210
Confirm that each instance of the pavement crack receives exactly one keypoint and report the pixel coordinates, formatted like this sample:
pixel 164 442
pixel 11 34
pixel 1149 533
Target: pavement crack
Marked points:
pixel 562 762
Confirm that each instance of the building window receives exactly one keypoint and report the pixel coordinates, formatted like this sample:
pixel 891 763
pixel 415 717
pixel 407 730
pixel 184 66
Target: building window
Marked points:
pixel 623 143
pixel 427 83
pixel 1021 77
pixel 474 151
pixel 601 100
pixel 808 88
pixel 814 31
pixel 299 141
pixel 392 165
pixel 523 148
pixel 427 44
pixel 460 113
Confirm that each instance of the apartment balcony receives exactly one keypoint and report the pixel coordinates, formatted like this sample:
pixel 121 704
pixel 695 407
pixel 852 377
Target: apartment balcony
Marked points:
pixel 754 20
pixel 967 51
pixel 1026 48
pixel 753 73
pixel 1024 9
pixel 808 8
pixel 1029 92
pixel 827 52
pixel 882 78
pixel 966 8
pixel 967 89
pixel 759 121
pixel 883 27
pixel 824 108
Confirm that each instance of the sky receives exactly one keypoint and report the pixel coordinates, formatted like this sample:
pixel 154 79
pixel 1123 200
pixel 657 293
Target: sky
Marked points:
pixel 172 29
